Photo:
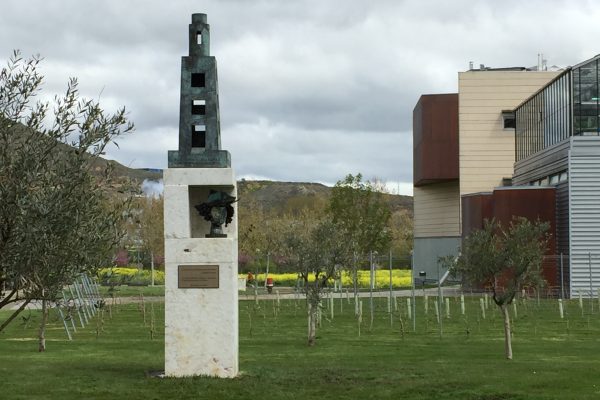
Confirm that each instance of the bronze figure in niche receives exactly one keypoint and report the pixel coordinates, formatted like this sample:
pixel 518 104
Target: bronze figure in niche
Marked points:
pixel 217 210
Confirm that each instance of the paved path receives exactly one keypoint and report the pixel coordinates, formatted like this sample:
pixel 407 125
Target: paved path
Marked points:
pixel 447 291
pixel 37 305
pixel 285 293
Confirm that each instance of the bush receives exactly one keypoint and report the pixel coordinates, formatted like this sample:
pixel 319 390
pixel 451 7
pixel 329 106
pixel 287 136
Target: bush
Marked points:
pixel 400 278
pixel 129 276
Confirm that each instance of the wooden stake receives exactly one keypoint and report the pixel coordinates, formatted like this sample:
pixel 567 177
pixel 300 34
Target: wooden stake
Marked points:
pixel 359 316
pixel 331 304
pixel 482 306
pixel 560 309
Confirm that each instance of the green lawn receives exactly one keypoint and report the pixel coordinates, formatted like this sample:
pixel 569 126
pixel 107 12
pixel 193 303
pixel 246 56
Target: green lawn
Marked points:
pixel 554 358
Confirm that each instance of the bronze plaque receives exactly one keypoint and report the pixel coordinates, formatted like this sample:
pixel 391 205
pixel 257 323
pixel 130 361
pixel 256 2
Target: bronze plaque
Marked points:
pixel 198 277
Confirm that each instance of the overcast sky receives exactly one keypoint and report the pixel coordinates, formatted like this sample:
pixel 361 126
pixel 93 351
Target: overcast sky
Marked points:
pixel 310 90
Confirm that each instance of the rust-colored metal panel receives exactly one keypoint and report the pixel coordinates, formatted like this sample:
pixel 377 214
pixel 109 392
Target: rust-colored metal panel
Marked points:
pixel 519 201
pixel 476 208
pixel 531 203
pixel 435 139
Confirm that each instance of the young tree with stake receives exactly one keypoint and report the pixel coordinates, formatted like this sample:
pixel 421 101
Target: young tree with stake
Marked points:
pixel 505 259
pixel 313 249
pixel 361 215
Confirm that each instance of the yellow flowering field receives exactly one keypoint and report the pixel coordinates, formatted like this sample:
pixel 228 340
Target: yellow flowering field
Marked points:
pixel 130 276
pixel 400 278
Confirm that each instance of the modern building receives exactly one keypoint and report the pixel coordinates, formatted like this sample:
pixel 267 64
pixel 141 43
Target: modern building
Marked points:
pixel 464 143
pixel 558 146
pixel 436 192
pixel 489 151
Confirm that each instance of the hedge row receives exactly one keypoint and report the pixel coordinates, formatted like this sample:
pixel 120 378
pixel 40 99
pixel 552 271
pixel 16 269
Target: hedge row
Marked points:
pixel 129 276
pixel 400 278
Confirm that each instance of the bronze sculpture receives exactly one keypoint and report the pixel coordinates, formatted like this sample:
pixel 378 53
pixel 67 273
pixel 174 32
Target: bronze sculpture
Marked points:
pixel 218 210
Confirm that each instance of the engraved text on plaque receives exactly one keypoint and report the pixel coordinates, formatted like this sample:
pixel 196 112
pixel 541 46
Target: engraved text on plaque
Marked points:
pixel 198 277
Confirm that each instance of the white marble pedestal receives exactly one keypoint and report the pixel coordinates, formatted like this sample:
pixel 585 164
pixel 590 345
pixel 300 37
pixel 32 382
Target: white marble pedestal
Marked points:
pixel 201 324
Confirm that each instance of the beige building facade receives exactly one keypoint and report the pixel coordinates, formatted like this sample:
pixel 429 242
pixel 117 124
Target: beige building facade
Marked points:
pixel 485 155
pixel 437 210
pixel 486 148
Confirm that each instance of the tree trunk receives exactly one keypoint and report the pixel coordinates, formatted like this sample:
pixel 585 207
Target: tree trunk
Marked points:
pixel 8 298
pixel 42 334
pixel 371 281
pixel 355 284
pixel 267 271
pixel 152 268
pixel 507 333
pixel 312 325
pixel 355 281
pixel 14 315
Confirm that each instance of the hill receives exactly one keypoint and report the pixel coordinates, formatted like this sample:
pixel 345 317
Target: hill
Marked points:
pixel 272 195
pixel 125 177
pixel 282 196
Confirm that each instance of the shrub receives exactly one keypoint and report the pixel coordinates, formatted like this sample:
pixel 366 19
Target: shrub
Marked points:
pixel 129 276
pixel 400 278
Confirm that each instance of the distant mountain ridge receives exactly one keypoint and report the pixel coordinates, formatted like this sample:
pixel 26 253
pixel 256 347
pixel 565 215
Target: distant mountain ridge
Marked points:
pixel 137 175
pixel 288 195
pixel 274 195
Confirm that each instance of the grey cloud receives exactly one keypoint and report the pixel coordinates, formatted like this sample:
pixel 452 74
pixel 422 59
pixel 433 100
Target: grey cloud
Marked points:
pixel 311 89
pixel 317 155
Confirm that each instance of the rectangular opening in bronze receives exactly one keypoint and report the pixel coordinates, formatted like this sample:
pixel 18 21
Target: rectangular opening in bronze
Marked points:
pixel 198 135
pixel 198 80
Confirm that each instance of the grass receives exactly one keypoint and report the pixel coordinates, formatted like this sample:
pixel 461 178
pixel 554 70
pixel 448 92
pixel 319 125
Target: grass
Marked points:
pixel 554 358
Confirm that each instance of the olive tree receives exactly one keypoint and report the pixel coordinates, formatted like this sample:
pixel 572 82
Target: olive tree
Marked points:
pixel 315 250
pixel 260 231
pixel 361 215
pixel 57 219
pixel 144 231
pixel 506 259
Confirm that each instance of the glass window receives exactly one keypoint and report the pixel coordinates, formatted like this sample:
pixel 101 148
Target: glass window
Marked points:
pixel 542 120
pixel 564 176
pixel 585 94
pixel 576 101
pixel 508 120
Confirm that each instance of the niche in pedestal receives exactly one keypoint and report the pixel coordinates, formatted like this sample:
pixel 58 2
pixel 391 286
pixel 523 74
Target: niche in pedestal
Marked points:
pixel 199 227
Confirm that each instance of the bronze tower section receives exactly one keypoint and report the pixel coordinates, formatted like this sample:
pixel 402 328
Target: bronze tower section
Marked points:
pixel 199 125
